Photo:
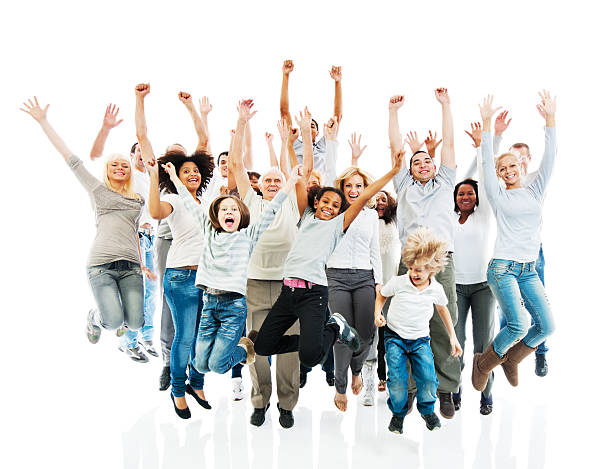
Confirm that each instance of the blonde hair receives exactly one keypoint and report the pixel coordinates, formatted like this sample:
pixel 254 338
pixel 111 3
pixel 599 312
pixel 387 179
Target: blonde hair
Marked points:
pixel 504 155
pixel 422 248
pixel 128 185
pixel 355 171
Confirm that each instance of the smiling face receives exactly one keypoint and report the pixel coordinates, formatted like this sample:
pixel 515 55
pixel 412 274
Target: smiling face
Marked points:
pixel 313 130
pixel 466 198
pixel 223 165
pixel 271 184
pixel 509 170
pixel 189 174
pixel 137 158
pixel 328 206
pixel 419 275
pixel 422 167
pixel 353 187
pixel 381 203
pixel 118 171
pixel 229 215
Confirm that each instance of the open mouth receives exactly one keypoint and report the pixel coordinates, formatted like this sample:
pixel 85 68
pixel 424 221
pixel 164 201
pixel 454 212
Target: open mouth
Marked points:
pixel 119 173
pixel 193 180
pixel 229 221
pixel 353 197
pixel 326 213
pixel 274 190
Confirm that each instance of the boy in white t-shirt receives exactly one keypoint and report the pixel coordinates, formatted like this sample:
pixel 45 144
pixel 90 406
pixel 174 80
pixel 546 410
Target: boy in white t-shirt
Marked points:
pixel 407 331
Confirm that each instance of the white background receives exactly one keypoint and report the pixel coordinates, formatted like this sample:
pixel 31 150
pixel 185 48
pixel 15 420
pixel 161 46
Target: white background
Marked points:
pixel 69 404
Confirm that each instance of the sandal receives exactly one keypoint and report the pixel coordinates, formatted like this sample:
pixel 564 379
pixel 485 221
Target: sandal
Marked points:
pixel 382 385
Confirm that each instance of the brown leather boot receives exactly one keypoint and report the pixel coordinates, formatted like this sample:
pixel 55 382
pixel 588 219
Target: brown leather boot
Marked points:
pixel 514 356
pixel 482 366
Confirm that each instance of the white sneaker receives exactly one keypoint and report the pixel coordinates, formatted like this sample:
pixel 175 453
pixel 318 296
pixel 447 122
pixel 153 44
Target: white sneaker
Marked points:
pixel 367 374
pixel 237 389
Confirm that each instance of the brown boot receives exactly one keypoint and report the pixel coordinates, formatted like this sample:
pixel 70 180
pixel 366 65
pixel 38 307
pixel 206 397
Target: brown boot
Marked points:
pixel 515 356
pixel 247 344
pixel 483 364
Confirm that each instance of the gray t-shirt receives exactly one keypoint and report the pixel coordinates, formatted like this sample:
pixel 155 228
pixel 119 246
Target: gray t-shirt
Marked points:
pixel 315 242
pixel 116 219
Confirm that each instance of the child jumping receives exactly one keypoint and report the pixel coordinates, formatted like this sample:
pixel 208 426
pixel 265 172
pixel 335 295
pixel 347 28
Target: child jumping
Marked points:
pixel 407 331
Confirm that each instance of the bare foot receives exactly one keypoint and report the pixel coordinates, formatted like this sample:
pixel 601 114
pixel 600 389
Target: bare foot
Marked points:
pixel 180 402
pixel 382 385
pixel 341 401
pixel 357 384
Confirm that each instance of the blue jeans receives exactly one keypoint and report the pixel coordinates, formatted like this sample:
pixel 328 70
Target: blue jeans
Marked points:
pixel 117 289
pixel 184 300
pixel 418 352
pixel 222 321
pixel 539 267
pixel 516 286
pixel 130 338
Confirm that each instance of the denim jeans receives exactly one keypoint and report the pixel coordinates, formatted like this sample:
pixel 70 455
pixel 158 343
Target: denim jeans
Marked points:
pixel 130 338
pixel 400 352
pixel 222 321
pixel 166 332
pixel 117 289
pixel 516 286
pixel 184 300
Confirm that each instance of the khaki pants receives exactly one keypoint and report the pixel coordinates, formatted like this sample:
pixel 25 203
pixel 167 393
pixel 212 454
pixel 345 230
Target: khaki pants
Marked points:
pixel 261 295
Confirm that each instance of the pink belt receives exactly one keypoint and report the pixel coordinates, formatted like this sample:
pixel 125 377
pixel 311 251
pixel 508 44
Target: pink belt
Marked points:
pixel 297 283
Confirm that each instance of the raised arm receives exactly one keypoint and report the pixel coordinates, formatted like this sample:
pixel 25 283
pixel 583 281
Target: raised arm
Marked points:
pixel 431 143
pixel 205 108
pixel 330 131
pixel 200 128
pixel 271 151
pixel 284 97
pixel 547 109
pixel 356 148
pixel 141 90
pixel 109 122
pixel 158 209
pixel 336 74
pixel 370 191
pixel 395 137
pixel 475 133
pixel 283 131
pixel 447 157
pixel 236 163
pixel 248 147
pixel 490 177
pixel 40 115
pixel 304 121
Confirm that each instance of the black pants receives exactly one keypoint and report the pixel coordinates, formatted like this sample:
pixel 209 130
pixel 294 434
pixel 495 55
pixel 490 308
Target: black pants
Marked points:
pixel 309 306
pixel 328 364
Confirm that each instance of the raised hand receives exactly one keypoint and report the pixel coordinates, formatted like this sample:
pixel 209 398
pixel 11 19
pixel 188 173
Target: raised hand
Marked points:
pixel 548 106
pixel 294 133
pixel 110 117
pixel 356 148
pixel 171 170
pixel 304 120
pixel 205 106
pixel 142 89
pixel 476 133
pixel 336 73
pixel 413 142
pixel 269 138
pixel 184 97
pixel 486 108
pixel 33 108
pixel 287 67
pixel 153 167
pixel 330 129
pixel 296 173
pixel 396 102
pixel 244 109
pixel 442 96
pixel 432 143
pixel 500 123
pixel 397 159
pixel 283 129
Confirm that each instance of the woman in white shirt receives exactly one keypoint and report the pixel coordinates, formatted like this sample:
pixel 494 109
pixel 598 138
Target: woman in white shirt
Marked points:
pixel 354 271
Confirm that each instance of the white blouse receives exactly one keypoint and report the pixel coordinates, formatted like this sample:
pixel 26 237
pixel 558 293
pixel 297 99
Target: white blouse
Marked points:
pixel 390 248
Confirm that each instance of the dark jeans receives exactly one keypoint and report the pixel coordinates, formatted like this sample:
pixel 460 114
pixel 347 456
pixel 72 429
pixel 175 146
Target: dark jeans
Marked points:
pixel 166 333
pixel 309 306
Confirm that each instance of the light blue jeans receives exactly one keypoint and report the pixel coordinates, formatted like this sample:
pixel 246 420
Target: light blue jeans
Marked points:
pixel 130 338
pixel 222 322
pixel 517 287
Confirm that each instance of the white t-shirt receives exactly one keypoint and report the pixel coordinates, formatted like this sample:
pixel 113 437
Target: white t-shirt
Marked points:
pixel 187 235
pixel 410 309
pixel 141 185
pixel 270 253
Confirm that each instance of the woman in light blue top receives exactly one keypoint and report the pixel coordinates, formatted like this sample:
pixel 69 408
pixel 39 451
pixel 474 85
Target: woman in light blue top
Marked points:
pixel 511 273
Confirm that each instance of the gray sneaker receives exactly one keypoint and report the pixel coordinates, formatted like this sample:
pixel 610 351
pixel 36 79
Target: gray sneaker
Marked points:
pixel 93 331
pixel 135 354
pixel 148 346
pixel 347 335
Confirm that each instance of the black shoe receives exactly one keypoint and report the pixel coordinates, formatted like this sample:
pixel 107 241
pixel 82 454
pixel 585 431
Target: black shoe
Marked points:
pixel 486 404
pixel 182 413
pixel 258 417
pixel 329 377
pixel 457 399
pixel 303 377
pixel 447 407
pixel 541 367
pixel 164 378
pixel 396 425
pixel 286 417
pixel 411 396
pixel 203 402
pixel 431 421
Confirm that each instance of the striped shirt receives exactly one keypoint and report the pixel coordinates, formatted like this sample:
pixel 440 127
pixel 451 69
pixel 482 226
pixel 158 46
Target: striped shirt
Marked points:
pixel 225 258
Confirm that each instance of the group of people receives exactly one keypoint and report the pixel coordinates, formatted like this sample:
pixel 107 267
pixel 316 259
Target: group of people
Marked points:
pixel 319 268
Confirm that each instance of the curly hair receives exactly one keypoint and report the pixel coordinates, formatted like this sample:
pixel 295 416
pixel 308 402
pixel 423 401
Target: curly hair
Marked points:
pixel 316 192
pixel 423 249
pixel 203 160
pixel 390 212
pixel 469 182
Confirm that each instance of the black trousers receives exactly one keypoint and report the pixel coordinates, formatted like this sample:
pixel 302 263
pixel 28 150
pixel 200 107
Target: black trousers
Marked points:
pixel 309 306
